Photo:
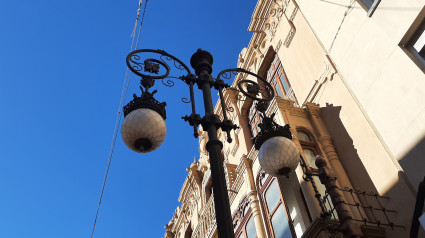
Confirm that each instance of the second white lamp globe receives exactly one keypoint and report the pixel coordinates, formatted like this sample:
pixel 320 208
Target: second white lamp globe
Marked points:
pixel 278 155
pixel 143 130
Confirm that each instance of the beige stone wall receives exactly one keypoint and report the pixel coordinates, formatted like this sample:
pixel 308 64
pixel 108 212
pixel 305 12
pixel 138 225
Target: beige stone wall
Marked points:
pixel 388 85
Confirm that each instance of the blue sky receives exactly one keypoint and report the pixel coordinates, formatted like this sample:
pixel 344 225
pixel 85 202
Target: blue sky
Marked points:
pixel 62 66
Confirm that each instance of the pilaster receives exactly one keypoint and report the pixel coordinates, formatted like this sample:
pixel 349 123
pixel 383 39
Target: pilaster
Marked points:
pixel 253 197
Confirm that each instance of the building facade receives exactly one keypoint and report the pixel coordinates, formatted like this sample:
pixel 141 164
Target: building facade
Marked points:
pixel 349 80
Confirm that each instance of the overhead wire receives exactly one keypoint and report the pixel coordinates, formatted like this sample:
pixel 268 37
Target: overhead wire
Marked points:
pixel 127 78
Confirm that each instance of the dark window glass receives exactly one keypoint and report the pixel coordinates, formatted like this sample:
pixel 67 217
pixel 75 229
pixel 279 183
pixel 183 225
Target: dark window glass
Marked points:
pixel 280 224
pixel 284 83
pixel 263 180
pixel 310 149
pixel 276 76
pixel 272 196
pixel 419 44
pixel 303 136
pixel 277 88
pixel 310 157
pixel 246 210
pixel 250 228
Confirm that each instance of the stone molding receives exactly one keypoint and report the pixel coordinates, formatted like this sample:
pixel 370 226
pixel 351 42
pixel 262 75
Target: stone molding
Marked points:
pixel 313 109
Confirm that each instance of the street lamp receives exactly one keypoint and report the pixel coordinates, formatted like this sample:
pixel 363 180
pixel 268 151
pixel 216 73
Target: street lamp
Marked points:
pixel 144 129
pixel 278 156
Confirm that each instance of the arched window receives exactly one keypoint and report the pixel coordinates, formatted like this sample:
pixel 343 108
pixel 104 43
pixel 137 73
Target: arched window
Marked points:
pixel 276 215
pixel 310 149
pixel 243 221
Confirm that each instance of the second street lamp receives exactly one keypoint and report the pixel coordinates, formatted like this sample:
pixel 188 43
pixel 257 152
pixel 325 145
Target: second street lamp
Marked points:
pixel 144 129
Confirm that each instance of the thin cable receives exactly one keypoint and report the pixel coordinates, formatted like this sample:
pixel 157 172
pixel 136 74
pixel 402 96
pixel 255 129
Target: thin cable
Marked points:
pixel 118 120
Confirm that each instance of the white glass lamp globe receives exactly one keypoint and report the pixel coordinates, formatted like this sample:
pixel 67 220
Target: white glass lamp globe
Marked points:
pixel 143 130
pixel 278 156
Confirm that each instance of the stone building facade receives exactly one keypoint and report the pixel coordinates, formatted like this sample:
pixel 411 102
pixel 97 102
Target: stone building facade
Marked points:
pixel 349 80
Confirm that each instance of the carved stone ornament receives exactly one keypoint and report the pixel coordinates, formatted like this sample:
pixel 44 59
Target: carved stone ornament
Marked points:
pixel 275 14
pixel 239 213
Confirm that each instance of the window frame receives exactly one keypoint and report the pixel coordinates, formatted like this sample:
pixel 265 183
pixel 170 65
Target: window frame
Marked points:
pixel 267 216
pixel 410 38
pixel 275 79
pixel 311 145
pixel 369 6
pixel 241 229
pixel 254 119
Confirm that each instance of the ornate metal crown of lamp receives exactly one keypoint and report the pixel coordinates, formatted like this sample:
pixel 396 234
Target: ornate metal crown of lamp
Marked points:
pixel 278 155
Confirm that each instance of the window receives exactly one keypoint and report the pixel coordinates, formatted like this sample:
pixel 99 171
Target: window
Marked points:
pixel 277 78
pixel 243 221
pixel 250 231
pixel 413 42
pixel 419 42
pixel 278 222
pixel 254 120
pixel 369 5
pixel 309 148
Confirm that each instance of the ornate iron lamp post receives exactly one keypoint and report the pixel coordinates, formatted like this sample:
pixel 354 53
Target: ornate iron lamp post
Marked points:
pixel 144 129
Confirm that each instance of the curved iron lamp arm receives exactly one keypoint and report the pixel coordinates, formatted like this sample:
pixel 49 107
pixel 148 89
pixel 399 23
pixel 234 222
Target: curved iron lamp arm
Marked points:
pixel 133 57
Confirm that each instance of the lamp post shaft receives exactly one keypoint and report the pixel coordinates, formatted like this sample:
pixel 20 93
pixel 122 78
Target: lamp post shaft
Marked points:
pixel 202 62
pixel 221 198
pixel 214 146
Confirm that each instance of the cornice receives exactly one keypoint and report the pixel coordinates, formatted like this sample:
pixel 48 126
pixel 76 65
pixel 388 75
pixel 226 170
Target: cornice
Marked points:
pixel 299 112
pixel 325 139
pixel 313 109
pixel 187 187
pixel 260 15
pixel 284 104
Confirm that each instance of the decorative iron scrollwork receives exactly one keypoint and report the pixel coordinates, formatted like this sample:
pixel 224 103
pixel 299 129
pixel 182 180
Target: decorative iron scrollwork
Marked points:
pixel 151 69
pixel 259 91
pixel 137 65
